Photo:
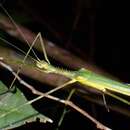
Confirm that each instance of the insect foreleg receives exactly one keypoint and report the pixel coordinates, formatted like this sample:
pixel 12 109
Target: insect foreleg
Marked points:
pixel 25 59
pixel 43 48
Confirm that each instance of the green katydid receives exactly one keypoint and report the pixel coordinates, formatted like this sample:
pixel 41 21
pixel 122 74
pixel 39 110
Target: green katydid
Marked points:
pixel 83 76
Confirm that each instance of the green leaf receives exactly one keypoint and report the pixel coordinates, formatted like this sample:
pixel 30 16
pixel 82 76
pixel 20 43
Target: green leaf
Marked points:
pixel 14 112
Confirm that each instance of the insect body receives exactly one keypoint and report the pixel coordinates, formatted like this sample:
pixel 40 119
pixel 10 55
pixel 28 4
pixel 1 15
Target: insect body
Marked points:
pixel 89 79
pixel 102 83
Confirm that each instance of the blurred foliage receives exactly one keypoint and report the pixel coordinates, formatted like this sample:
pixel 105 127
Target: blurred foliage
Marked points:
pixel 14 112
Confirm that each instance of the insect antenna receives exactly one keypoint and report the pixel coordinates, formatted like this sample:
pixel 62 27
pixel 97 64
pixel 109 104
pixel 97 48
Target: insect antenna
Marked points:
pixel 17 27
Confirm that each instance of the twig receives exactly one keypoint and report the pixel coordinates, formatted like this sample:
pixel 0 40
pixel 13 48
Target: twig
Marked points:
pixel 69 103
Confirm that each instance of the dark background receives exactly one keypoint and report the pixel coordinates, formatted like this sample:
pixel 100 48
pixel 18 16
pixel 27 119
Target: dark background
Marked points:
pixel 91 30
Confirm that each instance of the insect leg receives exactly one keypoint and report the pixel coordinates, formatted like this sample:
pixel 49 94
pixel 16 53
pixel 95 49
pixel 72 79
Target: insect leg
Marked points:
pixel 63 85
pixel 105 103
pixel 25 59
pixel 65 110
pixel 117 97
pixel 43 48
